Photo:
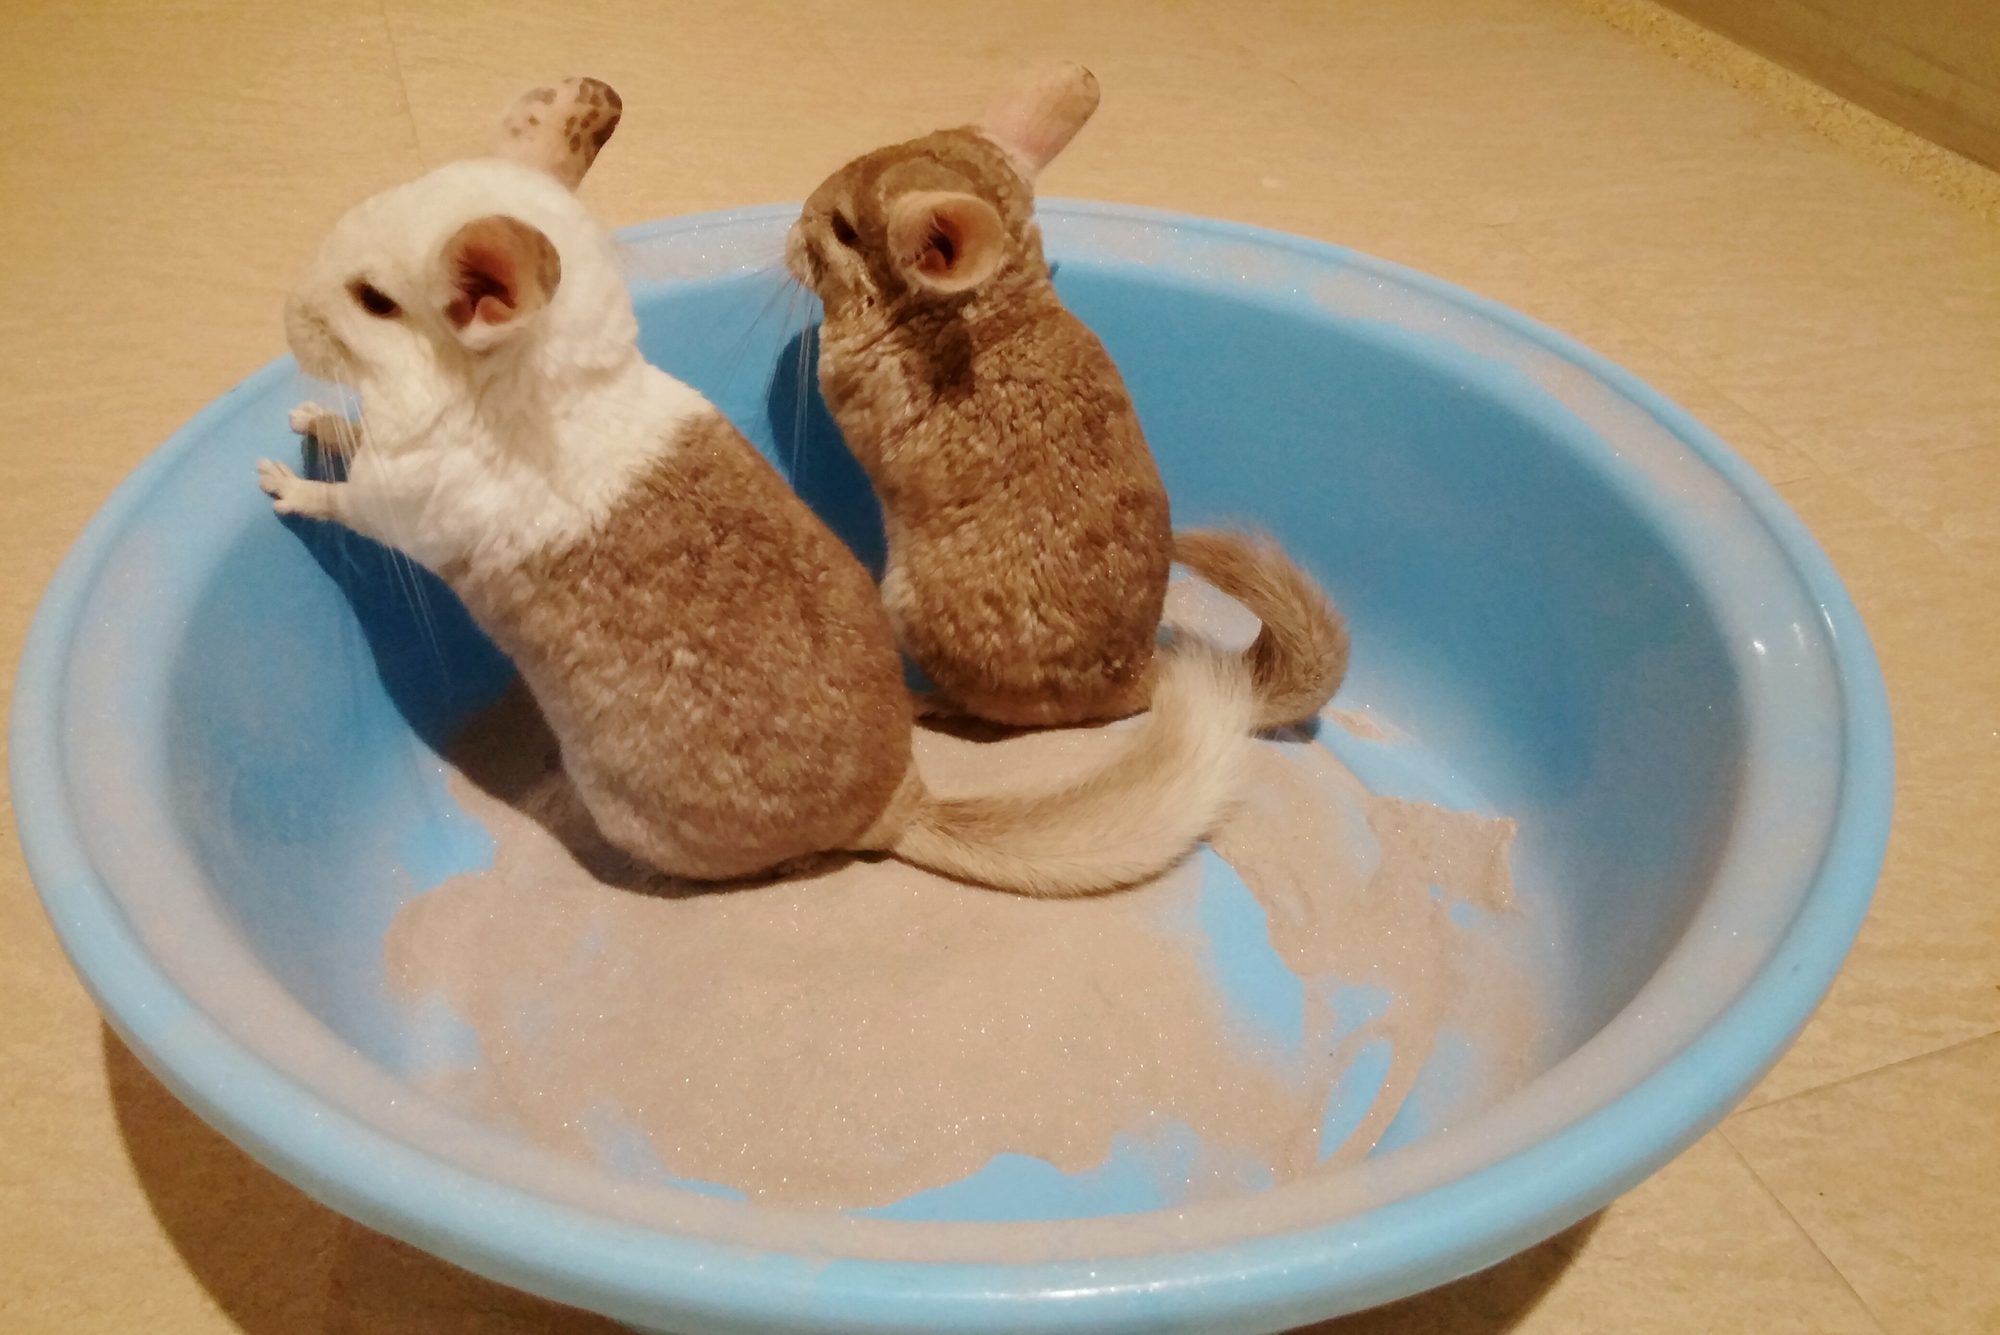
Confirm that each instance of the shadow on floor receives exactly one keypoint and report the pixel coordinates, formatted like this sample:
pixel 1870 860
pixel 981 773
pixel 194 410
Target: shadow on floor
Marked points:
pixel 279 1263
pixel 1488 1303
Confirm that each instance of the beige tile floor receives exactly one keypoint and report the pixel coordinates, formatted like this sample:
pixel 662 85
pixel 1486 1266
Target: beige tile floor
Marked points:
pixel 166 167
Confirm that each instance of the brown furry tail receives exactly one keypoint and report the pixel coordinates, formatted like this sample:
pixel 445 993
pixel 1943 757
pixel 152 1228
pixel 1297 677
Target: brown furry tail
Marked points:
pixel 1182 770
pixel 1299 658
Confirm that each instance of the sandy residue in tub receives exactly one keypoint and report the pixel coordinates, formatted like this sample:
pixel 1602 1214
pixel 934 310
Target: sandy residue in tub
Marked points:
pixel 1357 891
pixel 842 1038
pixel 866 1031
pixel 1364 723
pixel 1347 882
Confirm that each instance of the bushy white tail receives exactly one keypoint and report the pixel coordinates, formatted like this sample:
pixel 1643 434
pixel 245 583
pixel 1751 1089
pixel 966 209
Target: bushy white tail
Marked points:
pixel 1299 658
pixel 1182 770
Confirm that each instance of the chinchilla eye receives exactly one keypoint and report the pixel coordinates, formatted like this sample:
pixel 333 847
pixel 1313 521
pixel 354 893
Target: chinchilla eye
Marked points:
pixel 373 300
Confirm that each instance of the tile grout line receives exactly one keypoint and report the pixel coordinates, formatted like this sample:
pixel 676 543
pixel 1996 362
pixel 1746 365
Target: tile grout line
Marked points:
pixel 832 51
pixel 402 81
pixel 1813 464
pixel 1852 476
pixel 1848 1079
pixel 1804 1232
pixel 1817 467
pixel 1944 453
pixel 1849 478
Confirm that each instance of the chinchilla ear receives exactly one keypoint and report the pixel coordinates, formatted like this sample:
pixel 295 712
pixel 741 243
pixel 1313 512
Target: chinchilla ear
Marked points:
pixel 559 128
pixel 945 241
pixel 498 273
pixel 1036 115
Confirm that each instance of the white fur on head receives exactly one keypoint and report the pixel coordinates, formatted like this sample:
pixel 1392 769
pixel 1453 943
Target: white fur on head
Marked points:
pixel 946 241
pixel 1036 116
pixel 504 403
pixel 472 252
pixel 463 255
pixel 480 315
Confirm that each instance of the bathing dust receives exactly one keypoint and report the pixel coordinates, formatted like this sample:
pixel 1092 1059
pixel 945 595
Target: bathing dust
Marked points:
pixel 850 1036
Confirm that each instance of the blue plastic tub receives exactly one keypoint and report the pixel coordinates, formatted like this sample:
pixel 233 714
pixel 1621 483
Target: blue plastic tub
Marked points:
pixel 1578 606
